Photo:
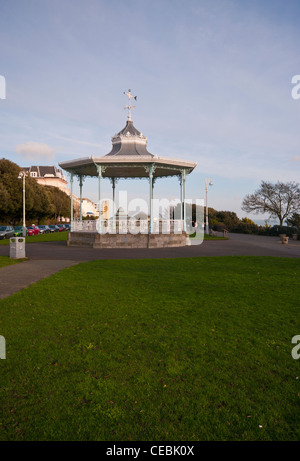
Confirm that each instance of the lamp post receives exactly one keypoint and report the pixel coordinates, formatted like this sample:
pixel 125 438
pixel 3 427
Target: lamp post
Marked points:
pixel 208 182
pixel 22 175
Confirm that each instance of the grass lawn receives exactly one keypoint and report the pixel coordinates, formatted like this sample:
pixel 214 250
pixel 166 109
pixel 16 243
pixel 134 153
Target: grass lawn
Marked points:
pixel 214 237
pixel 53 237
pixel 6 261
pixel 176 349
pixel 207 237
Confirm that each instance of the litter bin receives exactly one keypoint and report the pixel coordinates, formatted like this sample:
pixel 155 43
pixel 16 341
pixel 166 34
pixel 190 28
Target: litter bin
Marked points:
pixel 282 236
pixel 17 247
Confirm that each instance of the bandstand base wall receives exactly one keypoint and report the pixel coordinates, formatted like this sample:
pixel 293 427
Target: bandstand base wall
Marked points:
pixel 95 240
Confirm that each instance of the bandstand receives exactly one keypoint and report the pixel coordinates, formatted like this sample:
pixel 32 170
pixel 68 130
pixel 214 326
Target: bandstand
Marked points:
pixel 128 159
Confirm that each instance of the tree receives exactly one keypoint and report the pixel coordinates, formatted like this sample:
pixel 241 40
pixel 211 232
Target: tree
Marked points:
pixel 10 191
pixel 220 220
pixel 280 200
pixel 38 203
pixel 247 221
pixel 294 220
pixel 229 219
pixel 61 202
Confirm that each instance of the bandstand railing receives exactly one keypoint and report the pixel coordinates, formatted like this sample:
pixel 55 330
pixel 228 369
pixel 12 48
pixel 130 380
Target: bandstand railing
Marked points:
pixel 125 226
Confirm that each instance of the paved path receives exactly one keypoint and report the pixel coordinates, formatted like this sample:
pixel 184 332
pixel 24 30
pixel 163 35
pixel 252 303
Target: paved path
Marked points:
pixel 48 258
pixel 18 276
pixel 238 244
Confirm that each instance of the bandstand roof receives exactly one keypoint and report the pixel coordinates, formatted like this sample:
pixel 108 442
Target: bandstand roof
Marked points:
pixel 128 158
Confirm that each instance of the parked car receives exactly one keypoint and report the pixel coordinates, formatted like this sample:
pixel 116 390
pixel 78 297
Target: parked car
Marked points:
pixel 18 231
pixel 32 230
pixel 61 227
pixel 53 228
pixel 6 232
pixel 67 226
pixel 44 229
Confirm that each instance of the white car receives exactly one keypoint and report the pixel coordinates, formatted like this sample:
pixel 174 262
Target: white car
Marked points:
pixel 6 232
pixel 44 229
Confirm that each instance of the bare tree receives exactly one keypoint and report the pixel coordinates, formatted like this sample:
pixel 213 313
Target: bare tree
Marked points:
pixel 280 200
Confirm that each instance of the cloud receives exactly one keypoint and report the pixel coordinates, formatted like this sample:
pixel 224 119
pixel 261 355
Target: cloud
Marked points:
pixel 35 151
pixel 77 141
pixel 296 158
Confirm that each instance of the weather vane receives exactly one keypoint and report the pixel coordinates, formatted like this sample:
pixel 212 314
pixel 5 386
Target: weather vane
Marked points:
pixel 129 107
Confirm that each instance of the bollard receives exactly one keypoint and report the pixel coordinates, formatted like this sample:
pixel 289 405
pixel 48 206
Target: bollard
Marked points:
pixel 17 248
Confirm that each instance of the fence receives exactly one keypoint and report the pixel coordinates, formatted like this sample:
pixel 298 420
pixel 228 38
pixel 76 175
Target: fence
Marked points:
pixel 129 226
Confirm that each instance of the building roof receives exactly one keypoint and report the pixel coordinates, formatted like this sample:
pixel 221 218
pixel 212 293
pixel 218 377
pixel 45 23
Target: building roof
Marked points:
pixel 128 158
pixel 129 141
pixel 129 130
pixel 45 171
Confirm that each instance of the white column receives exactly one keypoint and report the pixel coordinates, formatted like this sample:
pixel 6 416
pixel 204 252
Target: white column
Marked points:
pixel 151 198
pixel 208 182
pixel 184 204
pixel 114 195
pixel 206 217
pixel 80 188
pixel 181 197
pixel 24 218
pixel 71 191
pixel 99 196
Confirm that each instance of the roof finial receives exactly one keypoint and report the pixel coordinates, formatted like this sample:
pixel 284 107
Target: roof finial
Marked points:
pixel 129 107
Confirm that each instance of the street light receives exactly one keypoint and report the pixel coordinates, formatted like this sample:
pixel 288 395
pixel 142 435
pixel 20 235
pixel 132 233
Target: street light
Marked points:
pixel 208 182
pixel 22 175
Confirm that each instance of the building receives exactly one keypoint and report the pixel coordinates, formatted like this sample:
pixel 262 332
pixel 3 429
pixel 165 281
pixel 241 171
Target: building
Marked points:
pixel 49 176
pixel 52 176
pixel 89 208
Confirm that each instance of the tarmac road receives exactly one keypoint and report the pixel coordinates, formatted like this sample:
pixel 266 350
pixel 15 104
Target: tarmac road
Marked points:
pixel 238 244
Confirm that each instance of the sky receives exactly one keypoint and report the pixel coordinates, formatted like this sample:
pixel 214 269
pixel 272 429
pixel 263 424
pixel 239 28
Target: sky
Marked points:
pixel 213 80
